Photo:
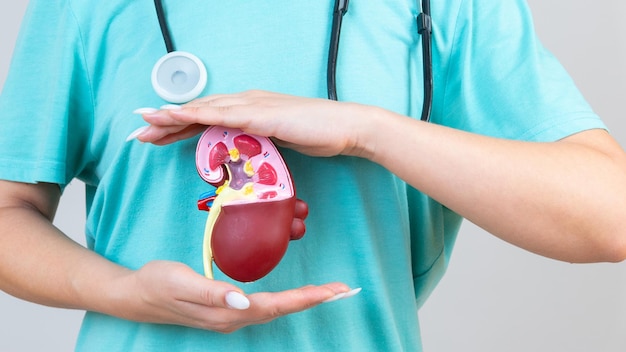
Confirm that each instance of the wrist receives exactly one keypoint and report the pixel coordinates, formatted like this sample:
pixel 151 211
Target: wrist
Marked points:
pixel 365 139
pixel 107 288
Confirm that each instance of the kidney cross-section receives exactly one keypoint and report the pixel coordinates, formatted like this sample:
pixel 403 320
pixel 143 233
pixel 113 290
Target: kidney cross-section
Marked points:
pixel 251 204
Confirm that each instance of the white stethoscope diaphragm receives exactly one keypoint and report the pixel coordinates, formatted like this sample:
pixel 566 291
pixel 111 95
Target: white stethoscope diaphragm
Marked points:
pixel 179 77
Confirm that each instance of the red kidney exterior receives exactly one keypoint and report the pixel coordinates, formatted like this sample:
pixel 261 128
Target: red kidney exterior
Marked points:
pixel 250 239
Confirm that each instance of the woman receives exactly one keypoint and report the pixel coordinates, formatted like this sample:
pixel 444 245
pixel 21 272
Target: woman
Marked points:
pixel 511 140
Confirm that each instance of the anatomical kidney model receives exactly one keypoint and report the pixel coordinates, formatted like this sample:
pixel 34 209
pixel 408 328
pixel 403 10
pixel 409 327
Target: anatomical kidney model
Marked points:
pixel 251 210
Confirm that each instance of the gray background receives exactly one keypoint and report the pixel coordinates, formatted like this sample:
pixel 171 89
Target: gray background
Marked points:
pixel 495 297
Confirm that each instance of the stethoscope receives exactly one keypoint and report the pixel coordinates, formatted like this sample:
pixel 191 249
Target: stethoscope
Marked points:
pixel 179 76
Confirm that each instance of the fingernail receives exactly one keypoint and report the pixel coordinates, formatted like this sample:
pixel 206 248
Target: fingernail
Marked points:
pixel 351 293
pixel 343 295
pixel 171 107
pixel 236 300
pixel 143 111
pixel 335 297
pixel 136 133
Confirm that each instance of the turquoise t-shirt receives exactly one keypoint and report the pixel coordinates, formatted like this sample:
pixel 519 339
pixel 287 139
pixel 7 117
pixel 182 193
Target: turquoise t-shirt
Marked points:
pixel 81 67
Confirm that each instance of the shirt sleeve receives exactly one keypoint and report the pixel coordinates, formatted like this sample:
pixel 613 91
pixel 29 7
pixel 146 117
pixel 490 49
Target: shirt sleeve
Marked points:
pixel 502 82
pixel 46 106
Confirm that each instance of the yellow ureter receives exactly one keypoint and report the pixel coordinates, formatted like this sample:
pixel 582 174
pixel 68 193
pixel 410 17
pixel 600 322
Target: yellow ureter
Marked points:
pixel 226 194
pixel 207 252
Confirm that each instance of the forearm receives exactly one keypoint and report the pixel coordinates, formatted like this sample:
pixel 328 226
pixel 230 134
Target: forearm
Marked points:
pixel 40 264
pixel 563 200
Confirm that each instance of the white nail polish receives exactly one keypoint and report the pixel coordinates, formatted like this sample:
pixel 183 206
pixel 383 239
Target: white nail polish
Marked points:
pixel 343 295
pixel 171 107
pixel 142 111
pixel 335 297
pixel 236 300
pixel 136 133
pixel 351 293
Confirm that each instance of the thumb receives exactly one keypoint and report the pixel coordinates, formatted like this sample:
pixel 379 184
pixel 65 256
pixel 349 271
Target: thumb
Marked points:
pixel 198 289
pixel 220 294
pixel 236 300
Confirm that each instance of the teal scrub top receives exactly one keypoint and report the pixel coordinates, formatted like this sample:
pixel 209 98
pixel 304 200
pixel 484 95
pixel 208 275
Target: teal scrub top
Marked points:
pixel 81 67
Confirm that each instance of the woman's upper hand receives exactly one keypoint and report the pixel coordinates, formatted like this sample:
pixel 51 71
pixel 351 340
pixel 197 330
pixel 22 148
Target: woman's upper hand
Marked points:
pixel 317 127
pixel 172 293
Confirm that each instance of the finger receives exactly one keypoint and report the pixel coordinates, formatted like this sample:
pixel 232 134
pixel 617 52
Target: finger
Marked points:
pixel 188 132
pixel 154 133
pixel 162 117
pixel 217 100
pixel 218 295
pixel 245 117
pixel 162 135
pixel 197 289
pixel 201 114
pixel 182 116
pixel 269 306
pixel 344 295
pixel 239 98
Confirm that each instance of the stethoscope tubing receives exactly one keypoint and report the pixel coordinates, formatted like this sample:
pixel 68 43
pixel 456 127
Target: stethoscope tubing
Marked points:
pixel 424 26
pixel 167 38
pixel 341 7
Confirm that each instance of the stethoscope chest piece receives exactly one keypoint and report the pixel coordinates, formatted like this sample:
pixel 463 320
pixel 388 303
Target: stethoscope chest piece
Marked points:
pixel 179 77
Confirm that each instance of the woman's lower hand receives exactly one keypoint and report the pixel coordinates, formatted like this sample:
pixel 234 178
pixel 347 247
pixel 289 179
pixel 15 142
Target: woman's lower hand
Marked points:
pixel 172 293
